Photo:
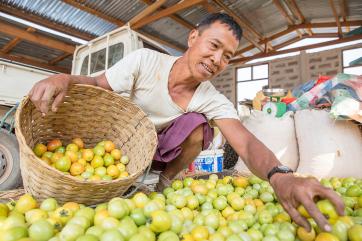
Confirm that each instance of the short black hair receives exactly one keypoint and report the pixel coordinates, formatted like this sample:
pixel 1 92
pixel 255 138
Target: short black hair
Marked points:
pixel 222 18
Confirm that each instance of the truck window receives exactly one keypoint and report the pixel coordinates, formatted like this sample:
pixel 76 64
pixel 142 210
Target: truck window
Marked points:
pixel 84 69
pixel 115 53
pixel 98 61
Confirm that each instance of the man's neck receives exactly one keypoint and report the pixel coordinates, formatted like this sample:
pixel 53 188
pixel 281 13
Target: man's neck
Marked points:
pixel 181 77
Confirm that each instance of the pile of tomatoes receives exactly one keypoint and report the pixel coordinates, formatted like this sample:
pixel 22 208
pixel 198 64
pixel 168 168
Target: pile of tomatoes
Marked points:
pixel 228 209
pixel 102 162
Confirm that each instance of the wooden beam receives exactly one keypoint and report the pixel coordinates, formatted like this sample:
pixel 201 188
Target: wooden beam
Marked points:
pixel 92 11
pixel 329 24
pixel 288 42
pixel 244 24
pixel 335 14
pixel 344 12
pixel 324 35
pixel 44 22
pixel 283 12
pixel 305 36
pixel 167 12
pixel 311 46
pixel 35 38
pixel 286 15
pixel 58 59
pixel 146 12
pixel 174 17
pixel 309 31
pixel 32 62
pixel 9 46
pixel 344 9
pixel 300 26
pixel 209 8
pixel 242 21
pixel 294 7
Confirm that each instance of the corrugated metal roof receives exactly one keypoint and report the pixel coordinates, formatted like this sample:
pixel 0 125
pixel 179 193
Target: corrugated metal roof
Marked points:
pixel 169 28
pixel 263 16
pixel 60 12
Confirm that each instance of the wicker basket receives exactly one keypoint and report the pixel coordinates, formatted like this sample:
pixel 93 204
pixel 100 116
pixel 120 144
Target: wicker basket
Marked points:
pixel 93 114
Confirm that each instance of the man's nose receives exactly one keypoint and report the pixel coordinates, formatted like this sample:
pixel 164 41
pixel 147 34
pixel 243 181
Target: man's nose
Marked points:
pixel 216 57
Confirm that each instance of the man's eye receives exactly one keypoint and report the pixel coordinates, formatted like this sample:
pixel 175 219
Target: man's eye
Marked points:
pixel 214 45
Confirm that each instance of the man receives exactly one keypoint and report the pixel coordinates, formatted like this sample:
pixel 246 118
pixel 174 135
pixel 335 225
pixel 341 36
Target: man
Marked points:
pixel 179 100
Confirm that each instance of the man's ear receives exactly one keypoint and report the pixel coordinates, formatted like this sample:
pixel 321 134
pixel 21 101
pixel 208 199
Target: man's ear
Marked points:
pixel 192 37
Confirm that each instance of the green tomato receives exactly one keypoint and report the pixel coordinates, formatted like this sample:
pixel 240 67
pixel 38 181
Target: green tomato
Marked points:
pixel 270 238
pixel 112 235
pixel 265 217
pixel 254 179
pixel 71 232
pixel 87 237
pixel 109 223
pixel 266 197
pixel 271 230
pixel 41 230
pixel 117 208
pixel 219 203
pixel 95 230
pixel 147 233
pixel 127 227
pixel 233 237
pixel 201 198
pixel 138 216
pixel 339 230
pixel 207 206
pixel 176 224
pixel 13 234
pixel 168 236
pixel 86 212
pixel 150 207
pixel 255 234
pixel 212 220
pixel 355 232
pixel 285 235
pixel 80 220
pixel 237 226
pixel 161 221
pixel 49 204
pixel 177 184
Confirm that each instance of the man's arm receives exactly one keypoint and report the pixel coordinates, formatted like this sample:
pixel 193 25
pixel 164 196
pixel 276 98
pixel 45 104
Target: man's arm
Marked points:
pixel 57 86
pixel 290 190
pixel 258 158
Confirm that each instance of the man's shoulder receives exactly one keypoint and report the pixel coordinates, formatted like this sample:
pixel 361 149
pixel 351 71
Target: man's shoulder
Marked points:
pixel 207 86
pixel 151 52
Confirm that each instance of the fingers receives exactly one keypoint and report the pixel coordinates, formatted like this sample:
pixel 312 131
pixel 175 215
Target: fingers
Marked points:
pixel 58 99
pixel 297 218
pixel 316 214
pixel 36 96
pixel 334 198
pixel 45 99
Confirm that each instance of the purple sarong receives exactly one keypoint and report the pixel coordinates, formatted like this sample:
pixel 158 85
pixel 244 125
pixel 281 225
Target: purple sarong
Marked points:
pixel 171 138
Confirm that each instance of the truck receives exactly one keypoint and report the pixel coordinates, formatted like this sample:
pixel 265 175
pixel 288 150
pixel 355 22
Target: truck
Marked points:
pixel 90 59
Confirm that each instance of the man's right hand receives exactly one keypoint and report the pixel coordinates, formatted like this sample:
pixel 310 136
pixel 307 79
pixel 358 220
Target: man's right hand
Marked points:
pixel 42 92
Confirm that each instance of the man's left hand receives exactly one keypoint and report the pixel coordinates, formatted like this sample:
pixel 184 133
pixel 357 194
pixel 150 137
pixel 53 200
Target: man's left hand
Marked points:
pixel 293 191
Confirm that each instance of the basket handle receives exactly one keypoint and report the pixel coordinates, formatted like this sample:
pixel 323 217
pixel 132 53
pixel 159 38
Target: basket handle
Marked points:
pixel 140 183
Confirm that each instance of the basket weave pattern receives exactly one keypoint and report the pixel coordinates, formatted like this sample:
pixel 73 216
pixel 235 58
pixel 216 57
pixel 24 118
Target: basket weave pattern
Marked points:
pixel 93 114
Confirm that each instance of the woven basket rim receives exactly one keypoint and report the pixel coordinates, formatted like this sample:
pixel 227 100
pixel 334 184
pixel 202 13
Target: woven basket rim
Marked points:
pixel 20 135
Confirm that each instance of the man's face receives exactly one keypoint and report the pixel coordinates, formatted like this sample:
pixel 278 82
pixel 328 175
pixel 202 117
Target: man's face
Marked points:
pixel 210 51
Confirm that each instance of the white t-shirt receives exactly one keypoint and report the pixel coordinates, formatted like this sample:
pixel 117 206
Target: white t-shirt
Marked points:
pixel 143 76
